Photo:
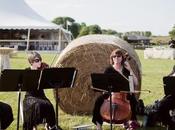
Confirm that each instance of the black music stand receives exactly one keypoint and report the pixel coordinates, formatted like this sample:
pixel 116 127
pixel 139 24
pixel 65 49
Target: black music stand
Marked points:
pixel 169 85
pixel 49 78
pixel 58 78
pixel 11 80
pixel 110 83
pixel 26 80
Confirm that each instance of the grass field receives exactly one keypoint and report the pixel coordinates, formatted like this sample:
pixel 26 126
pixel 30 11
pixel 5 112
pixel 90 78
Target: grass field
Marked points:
pixel 152 72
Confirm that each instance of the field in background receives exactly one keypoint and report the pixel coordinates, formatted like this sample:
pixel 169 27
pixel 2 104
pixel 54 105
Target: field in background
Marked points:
pixel 153 71
pixel 160 40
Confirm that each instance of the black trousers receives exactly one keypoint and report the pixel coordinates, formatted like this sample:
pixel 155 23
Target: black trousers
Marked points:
pixel 36 110
pixel 6 115
pixel 165 105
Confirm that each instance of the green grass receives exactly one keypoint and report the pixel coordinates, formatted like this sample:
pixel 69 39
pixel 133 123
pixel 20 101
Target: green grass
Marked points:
pixel 152 72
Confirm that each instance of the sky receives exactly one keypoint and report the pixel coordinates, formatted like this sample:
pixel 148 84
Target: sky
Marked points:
pixel 157 16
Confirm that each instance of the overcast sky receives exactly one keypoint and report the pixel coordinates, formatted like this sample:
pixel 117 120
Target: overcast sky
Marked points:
pixel 157 16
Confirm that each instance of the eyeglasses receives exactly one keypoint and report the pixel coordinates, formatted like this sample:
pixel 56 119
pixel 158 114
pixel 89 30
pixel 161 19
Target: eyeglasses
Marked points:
pixel 116 56
pixel 36 60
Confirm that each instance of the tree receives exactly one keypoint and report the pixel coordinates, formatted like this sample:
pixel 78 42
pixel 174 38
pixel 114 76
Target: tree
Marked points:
pixel 83 25
pixel 109 31
pixel 172 32
pixel 63 21
pixel 92 29
pixel 147 33
pixel 95 29
pixel 75 29
pixel 84 31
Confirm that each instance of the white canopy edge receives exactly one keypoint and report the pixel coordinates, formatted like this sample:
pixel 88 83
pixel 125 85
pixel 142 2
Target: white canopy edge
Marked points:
pixel 18 15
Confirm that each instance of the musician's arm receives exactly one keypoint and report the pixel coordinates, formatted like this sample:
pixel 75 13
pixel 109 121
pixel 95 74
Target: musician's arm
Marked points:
pixel 135 80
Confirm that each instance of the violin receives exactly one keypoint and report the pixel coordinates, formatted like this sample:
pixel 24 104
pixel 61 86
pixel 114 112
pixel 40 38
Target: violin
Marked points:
pixel 43 66
pixel 121 109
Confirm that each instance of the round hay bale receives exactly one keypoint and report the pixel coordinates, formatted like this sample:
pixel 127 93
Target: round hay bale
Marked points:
pixel 90 54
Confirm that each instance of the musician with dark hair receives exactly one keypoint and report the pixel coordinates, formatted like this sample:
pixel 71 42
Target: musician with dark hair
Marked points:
pixel 118 65
pixel 37 108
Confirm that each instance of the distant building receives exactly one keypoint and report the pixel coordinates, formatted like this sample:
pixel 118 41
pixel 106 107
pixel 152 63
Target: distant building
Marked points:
pixel 21 27
pixel 138 39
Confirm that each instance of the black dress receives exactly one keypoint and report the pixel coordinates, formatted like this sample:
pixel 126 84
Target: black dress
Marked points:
pixel 6 115
pixel 36 109
pixel 131 97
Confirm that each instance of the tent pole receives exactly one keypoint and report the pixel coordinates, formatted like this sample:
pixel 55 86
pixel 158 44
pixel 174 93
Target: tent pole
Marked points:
pixel 28 40
pixel 59 40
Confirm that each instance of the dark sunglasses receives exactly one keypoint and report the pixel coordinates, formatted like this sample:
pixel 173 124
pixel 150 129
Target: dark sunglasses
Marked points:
pixel 36 60
pixel 116 56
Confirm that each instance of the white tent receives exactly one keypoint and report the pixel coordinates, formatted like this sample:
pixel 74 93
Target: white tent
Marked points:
pixel 17 15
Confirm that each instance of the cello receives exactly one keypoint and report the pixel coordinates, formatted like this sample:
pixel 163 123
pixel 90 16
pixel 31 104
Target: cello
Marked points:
pixel 121 109
pixel 43 66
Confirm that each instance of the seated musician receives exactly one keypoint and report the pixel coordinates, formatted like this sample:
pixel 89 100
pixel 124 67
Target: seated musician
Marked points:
pixel 37 108
pixel 6 115
pixel 118 64
pixel 160 110
pixel 172 43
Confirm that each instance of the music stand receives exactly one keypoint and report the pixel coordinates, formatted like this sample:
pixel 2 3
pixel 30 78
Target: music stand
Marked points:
pixel 58 78
pixel 11 80
pixel 169 85
pixel 26 80
pixel 49 78
pixel 110 83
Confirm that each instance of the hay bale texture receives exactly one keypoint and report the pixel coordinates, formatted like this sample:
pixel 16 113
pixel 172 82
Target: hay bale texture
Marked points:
pixel 90 54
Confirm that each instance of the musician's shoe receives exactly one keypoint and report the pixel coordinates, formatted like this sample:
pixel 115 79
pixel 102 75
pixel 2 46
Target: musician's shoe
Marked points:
pixel 126 125
pixel 133 125
pixel 98 126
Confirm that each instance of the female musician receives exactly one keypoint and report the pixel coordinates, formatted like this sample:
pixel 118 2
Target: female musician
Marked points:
pixel 36 107
pixel 118 64
pixel 6 115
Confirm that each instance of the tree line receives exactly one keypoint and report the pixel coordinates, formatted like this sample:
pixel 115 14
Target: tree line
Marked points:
pixel 81 29
pixel 172 32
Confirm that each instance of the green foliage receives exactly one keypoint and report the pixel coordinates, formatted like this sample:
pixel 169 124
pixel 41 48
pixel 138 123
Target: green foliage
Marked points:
pixel 84 31
pixel 172 33
pixel 83 25
pixel 75 29
pixel 95 29
pixel 109 31
pixel 92 29
pixel 69 24
pixel 147 34
pixel 63 21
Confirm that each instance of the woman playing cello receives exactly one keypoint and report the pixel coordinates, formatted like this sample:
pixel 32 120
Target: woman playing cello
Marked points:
pixel 118 65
